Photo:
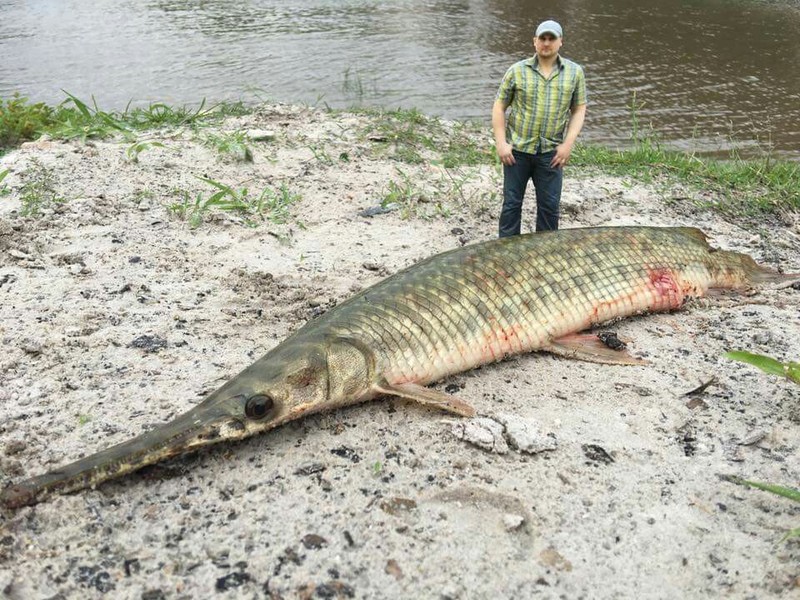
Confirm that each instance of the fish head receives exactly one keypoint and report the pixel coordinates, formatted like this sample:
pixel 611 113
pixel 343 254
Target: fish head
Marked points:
pixel 280 387
pixel 284 385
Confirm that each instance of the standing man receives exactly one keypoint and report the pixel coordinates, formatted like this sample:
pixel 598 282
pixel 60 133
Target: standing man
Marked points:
pixel 544 92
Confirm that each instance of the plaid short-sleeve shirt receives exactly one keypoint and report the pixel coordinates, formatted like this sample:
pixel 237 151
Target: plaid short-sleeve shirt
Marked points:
pixel 540 106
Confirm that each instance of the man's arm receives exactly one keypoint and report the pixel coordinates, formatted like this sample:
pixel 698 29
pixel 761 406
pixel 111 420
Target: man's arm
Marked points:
pixel 564 149
pixel 499 129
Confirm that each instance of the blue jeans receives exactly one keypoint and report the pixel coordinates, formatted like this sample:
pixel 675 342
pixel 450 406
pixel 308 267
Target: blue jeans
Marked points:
pixel 546 182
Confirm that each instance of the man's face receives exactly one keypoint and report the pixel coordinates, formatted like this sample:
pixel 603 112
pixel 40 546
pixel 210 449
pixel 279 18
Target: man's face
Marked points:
pixel 547 45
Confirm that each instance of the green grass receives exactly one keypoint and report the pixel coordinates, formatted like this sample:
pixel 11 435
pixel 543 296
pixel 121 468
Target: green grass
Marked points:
pixel 38 190
pixel 271 204
pixel 135 149
pixel 321 155
pixel 461 147
pixel 790 370
pixel 230 144
pixel 4 190
pixel 21 120
pixel 404 134
pixel 741 189
pixel 778 490
pixel 745 188
pixel 411 137
pixel 411 200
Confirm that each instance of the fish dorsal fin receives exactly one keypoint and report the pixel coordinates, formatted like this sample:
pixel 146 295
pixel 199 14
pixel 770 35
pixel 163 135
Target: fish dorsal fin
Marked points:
pixel 695 233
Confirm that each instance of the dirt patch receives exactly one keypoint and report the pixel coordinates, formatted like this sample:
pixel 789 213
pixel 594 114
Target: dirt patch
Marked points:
pixel 116 315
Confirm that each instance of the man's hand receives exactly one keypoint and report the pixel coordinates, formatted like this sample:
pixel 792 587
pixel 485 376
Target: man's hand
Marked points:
pixel 564 149
pixel 562 155
pixel 504 152
pixel 498 127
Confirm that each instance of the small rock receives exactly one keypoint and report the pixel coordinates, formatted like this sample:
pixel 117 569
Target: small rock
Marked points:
pixel 597 454
pixel 482 432
pixel 334 589
pixel 144 205
pixel 310 469
pixel 550 557
pixel 231 581
pixel 393 568
pixel 348 537
pixel 636 389
pixel 378 210
pixel 396 505
pixel 32 347
pixel 7 278
pixel 525 435
pixel 40 144
pixel 312 541
pixel 14 253
pixel 696 403
pixel 92 576
pixel 260 135
pixel 732 451
pixel 512 522
pixel 753 438
pixel 34 392
pixel 14 447
pixel 346 452
pixel 763 337
pixel 68 258
pixel 131 566
pixel 149 343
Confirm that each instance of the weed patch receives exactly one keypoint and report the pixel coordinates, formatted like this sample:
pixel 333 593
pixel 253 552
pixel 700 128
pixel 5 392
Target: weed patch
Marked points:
pixel 21 121
pixel 230 144
pixel 271 204
pixel 38 191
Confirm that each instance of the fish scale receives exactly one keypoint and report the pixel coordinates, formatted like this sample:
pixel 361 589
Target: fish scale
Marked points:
pixel 509 296
pixel 451 312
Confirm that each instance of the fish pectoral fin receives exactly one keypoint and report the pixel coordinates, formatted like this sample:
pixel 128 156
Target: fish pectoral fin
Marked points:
pixel 589 347
pixel 427 396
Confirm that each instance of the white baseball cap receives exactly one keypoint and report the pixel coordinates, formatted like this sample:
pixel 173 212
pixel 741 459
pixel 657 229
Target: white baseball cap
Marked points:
pixel 549 27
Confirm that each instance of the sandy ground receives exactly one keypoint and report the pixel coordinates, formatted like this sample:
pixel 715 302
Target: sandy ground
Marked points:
pixel 116 315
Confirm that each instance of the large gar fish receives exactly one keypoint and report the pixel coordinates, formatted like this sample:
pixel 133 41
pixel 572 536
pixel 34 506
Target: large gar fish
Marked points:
pixel 449 313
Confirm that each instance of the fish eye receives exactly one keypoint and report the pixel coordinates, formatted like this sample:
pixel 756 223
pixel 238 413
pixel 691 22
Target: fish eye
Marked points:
pixel 258 406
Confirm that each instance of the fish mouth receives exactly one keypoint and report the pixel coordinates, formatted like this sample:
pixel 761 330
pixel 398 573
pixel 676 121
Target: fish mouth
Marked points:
pixel 201 426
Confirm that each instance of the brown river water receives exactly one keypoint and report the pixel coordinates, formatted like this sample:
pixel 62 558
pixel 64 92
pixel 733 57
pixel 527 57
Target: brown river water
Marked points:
pixel 707 76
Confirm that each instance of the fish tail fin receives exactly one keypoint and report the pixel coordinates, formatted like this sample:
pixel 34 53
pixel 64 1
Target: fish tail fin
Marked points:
pixel 741 271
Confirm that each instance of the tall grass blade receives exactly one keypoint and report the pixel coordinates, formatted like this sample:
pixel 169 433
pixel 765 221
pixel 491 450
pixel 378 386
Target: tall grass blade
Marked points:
pixel 790 370
pixel 786 492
